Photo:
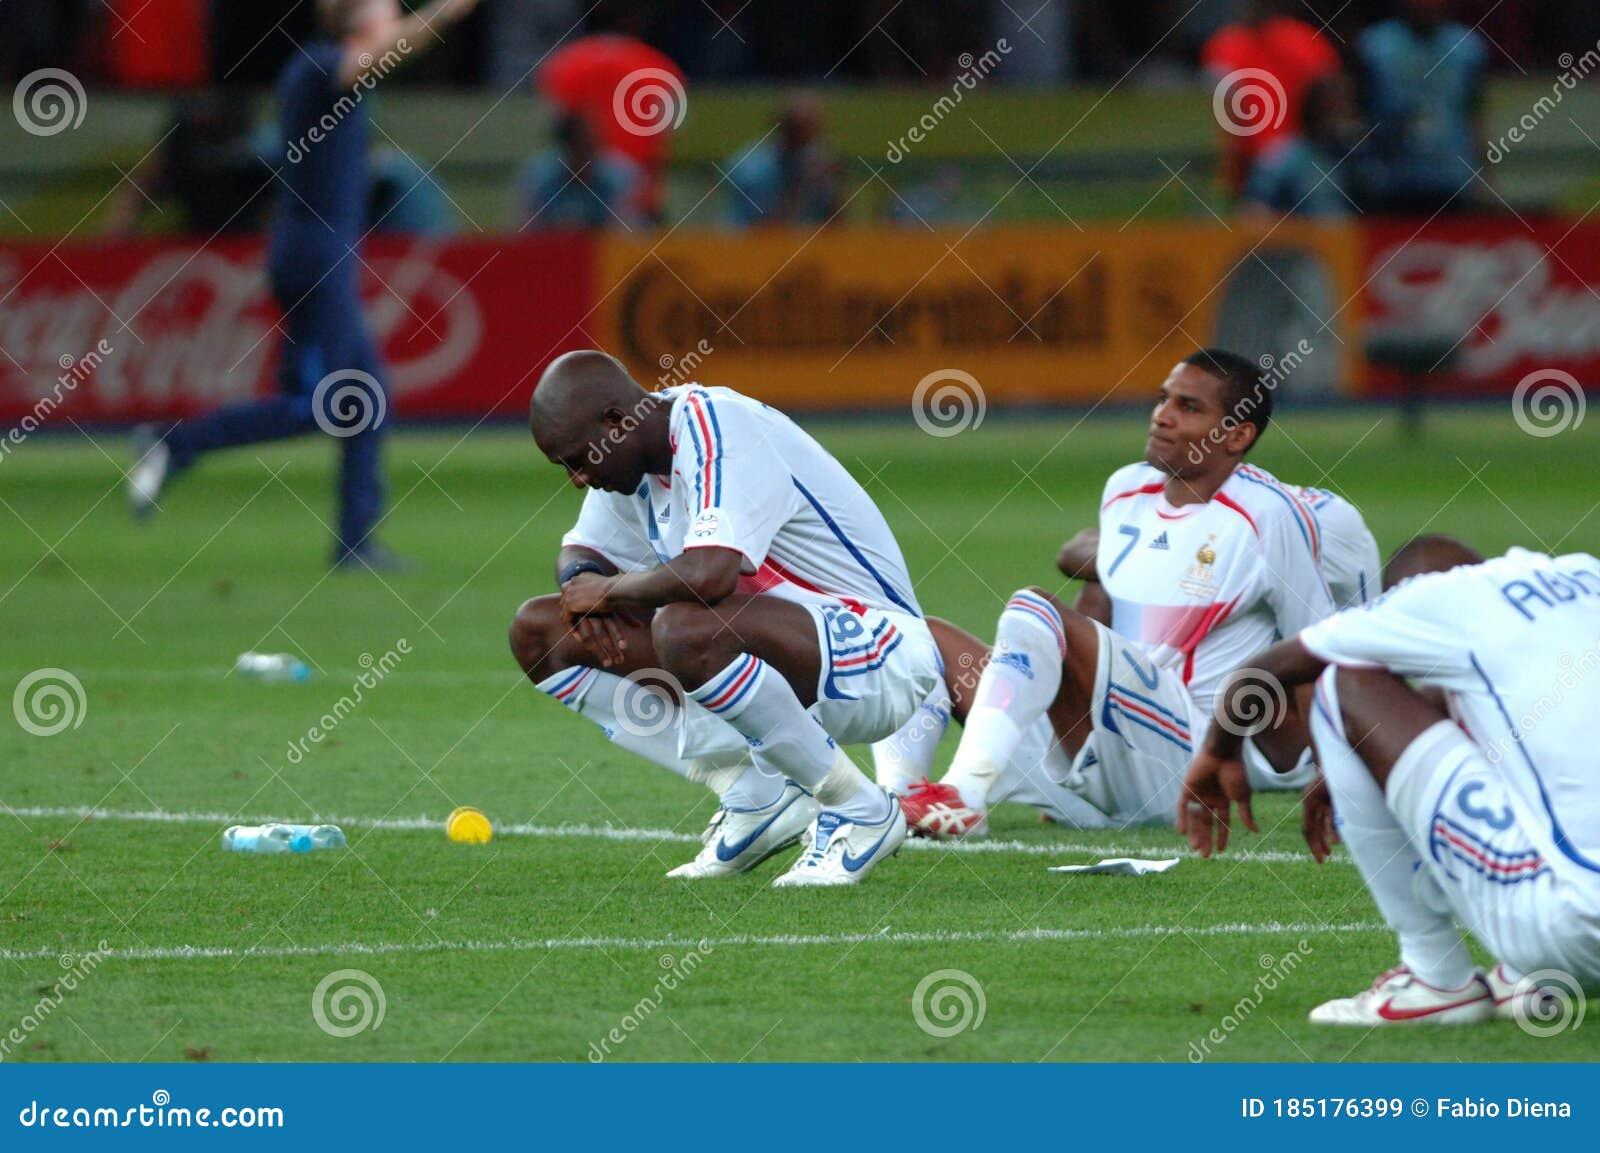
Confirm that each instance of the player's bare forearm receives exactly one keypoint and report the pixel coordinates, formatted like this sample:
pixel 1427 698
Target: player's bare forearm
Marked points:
pixel 416 32
pixel 1077 556
pixel 700 575
pixel 1252 694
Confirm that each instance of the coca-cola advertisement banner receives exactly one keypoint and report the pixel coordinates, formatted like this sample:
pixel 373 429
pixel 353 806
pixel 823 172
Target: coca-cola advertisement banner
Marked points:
pixel 1473 306
pixel 151 330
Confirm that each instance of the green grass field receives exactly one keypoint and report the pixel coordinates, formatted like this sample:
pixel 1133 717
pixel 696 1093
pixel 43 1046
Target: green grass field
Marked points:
pixel 539 945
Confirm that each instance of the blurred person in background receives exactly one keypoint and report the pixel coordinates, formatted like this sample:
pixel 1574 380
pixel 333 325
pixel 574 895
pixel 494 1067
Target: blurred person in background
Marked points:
pixel 404 198
pixel 632 97
pixel 574 184
pixel 208 163
pixel 1423 88
pixel 1316 172
pixel 789 175
pixel 1290 52
pixel 330 374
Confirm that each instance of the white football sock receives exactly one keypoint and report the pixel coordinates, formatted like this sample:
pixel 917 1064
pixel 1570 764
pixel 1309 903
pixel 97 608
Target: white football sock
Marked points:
pixel 907 756
pixel 757 702
pixel 1018 684
pixel 1430 945
pixel 847 792
pixel 651 729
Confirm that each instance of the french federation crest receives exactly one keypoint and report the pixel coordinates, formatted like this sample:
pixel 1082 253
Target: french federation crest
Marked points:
pixel 1199 582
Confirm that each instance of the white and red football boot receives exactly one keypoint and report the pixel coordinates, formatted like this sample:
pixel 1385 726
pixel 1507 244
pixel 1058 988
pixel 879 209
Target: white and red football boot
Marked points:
pixel 1399 998
pixel 935 810
pixel 1518 998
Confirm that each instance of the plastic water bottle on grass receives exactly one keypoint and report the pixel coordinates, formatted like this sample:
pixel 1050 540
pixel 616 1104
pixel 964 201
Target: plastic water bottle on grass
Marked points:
pixel 272 667
pixel 282 838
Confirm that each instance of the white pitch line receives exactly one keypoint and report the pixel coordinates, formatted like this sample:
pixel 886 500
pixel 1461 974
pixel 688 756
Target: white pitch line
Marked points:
pixel 704 944
pixel 623 833
pixel 618 833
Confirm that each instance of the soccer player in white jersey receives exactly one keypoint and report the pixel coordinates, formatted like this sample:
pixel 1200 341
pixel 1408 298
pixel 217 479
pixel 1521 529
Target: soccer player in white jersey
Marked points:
pixel 1485 809
pixel 1203 562
pixel 733 606
pixel 1036 772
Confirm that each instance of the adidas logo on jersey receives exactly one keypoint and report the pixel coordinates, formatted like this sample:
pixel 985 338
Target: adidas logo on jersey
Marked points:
pixel 1160 542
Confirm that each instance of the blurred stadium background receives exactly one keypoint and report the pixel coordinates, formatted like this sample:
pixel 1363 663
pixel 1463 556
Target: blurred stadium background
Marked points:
pixel 901 217
pixel 823 205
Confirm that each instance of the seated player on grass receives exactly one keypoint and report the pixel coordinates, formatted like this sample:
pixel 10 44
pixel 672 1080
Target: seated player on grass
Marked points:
pixel 1204 563
pixel 1035 773
pixel 1481 808
pixel 726 573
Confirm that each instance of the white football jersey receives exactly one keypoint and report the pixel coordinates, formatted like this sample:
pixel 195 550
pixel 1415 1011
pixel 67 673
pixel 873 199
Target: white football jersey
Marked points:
pixel 1204 587
pixel 1350 560
pixel 746 477
pixel 1515 644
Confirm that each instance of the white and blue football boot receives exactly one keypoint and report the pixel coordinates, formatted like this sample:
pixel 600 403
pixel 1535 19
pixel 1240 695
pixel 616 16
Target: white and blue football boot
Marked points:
pixel 737 840
pixel 843 851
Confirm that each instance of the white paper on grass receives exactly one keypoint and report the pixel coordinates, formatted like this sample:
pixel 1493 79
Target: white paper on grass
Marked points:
pixel 1119 867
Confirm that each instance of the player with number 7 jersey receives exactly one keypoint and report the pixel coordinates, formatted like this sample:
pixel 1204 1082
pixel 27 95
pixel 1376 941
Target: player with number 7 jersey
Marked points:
pixel 1204 559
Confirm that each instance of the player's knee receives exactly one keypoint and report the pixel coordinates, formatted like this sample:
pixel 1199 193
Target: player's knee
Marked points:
pixel 1358 696
pixel 536 633
pixel 685 638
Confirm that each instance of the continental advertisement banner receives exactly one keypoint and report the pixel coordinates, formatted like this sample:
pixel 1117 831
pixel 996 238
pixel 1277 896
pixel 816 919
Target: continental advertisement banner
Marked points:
pixel 847 318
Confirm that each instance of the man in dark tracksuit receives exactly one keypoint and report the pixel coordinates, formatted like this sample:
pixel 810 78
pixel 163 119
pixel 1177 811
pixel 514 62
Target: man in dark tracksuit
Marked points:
pixel 330 375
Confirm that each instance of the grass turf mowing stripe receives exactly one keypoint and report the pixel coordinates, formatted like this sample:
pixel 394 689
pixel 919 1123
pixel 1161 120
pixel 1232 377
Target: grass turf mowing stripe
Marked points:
pixel 620 944
pixel 623 833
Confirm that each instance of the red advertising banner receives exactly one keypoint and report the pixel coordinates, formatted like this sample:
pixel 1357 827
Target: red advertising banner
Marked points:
pixel 150 330
pixel 1475 305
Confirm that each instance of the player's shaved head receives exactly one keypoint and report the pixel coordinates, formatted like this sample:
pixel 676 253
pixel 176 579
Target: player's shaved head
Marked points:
pixel 591 417
pixel 1433 552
